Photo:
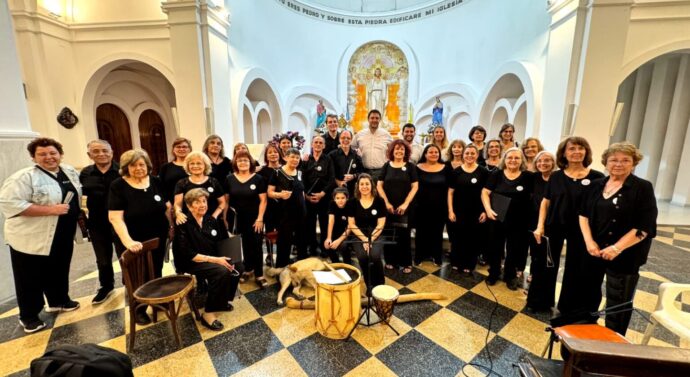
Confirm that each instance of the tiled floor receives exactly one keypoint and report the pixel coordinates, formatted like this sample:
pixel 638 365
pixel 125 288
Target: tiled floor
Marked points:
pixel 263 339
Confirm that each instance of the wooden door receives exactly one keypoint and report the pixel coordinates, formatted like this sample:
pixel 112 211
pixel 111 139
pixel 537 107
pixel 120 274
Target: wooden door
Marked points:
pixel 152 135
pixel 113 127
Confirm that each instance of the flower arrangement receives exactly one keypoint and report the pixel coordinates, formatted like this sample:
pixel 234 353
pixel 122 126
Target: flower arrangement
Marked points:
pixel 294 136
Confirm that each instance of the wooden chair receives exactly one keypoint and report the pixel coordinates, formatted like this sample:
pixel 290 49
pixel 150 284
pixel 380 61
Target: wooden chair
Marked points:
pixel 160 293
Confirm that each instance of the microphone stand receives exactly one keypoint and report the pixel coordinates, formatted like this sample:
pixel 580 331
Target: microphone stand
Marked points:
pixel 366 311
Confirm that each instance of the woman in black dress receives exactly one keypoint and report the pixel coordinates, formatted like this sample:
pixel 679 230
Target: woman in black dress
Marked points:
pixel 541 294
pixel 397 186
pixel 512 183
pixel 558 218
pixel 618 221
pixel 477 136
pixel 198 166
pixel 138 211
pixel 173 171
pixel 270 168
pixel 465 211
pixel 432 201
pixel 366 219
pixel 287 186
pixel 220 164
pixel 197 253
pixel 247 196
pixel 453 155
pixel 492 155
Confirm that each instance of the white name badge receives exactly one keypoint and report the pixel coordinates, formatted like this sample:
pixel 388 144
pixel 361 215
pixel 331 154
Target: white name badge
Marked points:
pixel 473 180
pixel 252 186
pixel 374 212
pixel 210 189
pixel 354 165
pixel 615 200
pixel 344 218
pixel 157 197
pixel 404 168
pixel 519 188
pixel 319 168
pixel 586 182
pixel 214 233
pixel 299 175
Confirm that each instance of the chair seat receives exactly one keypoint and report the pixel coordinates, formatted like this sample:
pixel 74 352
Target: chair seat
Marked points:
pixel 164 289
pixel 590 332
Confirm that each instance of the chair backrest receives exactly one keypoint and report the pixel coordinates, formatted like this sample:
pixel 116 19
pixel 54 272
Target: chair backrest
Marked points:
pixel 137 268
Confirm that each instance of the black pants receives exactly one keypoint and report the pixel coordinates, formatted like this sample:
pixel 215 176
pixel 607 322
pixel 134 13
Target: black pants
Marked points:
pixel 620 289
pixel 290 232
pixel 316 210
pixel 513 239
pixel 158 254
pixel 222 285
pixel 371 264
pixel 345 250
pixel 465 243
pixel 251 244
pixel 38 275
pixel 102 241
pixel 542 290
pixel 399 253
pixel 429 237
pixel 572 297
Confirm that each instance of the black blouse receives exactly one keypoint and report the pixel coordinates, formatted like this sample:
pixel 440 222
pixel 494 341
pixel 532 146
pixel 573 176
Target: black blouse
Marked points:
pixel 331 143
pixel 192 239
pixel 214 188
pixel 339 218
pixel 397 182
pixel 632 207
pixel 170 174
pixel 366 219
pixel 467 193
pixel 343 162
pixel 318 175
pixel 432 196
pixel 518 190
pixel 221 170
pixel 564 194
pixel 284 182
pixel 144 209
pixel 244 196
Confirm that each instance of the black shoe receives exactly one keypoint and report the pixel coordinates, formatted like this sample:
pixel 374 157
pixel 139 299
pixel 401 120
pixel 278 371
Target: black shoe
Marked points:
pixel 66 307
pixel 102 295
pixel 491 281
pixel 142 318
pixel 513 284
pixel 215 326
pixel 32 325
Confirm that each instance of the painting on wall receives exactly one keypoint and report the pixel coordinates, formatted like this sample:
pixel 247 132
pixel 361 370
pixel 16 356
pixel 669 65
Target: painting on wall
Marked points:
pixel 378 79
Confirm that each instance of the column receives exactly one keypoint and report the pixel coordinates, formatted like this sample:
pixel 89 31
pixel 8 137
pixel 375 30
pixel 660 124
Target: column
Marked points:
pixel 675 133
pixel 638 106
pixel 625 96
pixel 15 130
pixel 602 56
pixel 681 190
pixel 656 116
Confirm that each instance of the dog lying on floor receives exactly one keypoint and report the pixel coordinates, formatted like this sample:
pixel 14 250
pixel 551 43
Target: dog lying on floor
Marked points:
pixel 296 274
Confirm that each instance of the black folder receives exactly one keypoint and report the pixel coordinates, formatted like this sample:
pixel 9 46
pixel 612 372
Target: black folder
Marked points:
pixel 231 248
pixel 500 204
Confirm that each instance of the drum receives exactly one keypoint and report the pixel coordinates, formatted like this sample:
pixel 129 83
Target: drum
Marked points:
pixel 385 298
pixel 338 306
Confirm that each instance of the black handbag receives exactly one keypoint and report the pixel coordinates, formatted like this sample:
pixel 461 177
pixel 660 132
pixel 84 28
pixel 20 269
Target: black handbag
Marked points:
pixel 232 246
pixel 82 361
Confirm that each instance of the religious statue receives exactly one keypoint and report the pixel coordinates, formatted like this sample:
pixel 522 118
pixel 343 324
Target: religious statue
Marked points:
pixel 320 114
pixel 437 113
pixel 377 92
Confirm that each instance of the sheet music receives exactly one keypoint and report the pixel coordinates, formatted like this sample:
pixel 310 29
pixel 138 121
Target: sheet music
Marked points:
pixel 329 277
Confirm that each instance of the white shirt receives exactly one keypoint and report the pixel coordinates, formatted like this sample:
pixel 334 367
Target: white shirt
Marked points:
pixel 372 147
pixel 417 150
pixel 32 234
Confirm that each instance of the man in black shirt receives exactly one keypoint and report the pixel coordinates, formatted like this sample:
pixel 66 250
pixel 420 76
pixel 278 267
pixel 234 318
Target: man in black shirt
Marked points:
pixel 332 137
pixel 319 181
pixel 96 180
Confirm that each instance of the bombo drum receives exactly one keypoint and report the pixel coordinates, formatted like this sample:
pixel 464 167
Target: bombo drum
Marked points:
pixel 385 298
pixel 338 306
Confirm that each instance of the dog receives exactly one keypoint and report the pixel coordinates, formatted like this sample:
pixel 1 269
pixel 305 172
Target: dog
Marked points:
pixel 295 274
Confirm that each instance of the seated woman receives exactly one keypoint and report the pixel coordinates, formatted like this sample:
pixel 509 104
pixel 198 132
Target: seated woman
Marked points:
pixel 197 242
pixel 366 219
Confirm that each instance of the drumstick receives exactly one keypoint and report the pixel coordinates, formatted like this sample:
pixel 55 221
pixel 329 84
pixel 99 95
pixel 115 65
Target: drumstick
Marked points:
pixel 335 272
pixel 349 167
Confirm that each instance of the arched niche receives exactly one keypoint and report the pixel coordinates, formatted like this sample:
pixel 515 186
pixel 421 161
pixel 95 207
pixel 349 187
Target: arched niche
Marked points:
pixel 377 77
pixel 256 89
pixel 247 125
pixel 297 121
pixel 498 119
pixel 460 125
pixel 263 126
pixel 113 126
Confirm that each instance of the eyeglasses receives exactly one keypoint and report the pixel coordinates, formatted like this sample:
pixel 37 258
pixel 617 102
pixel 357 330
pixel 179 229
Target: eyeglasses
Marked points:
pixel 627 161
pixel 181 147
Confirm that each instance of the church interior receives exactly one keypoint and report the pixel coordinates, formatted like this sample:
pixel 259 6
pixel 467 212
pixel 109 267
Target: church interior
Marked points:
pixel 141 73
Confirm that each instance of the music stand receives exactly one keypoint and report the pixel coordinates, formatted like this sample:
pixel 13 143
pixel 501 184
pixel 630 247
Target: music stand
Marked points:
pixel 383 239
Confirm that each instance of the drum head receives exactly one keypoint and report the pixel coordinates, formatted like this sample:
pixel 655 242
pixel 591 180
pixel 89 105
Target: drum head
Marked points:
pixel 385 293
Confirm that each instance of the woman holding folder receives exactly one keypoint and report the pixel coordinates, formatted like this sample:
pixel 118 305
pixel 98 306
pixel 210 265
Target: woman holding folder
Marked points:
pixel 506 197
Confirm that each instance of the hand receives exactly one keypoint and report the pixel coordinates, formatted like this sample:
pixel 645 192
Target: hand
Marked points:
pixel 60 209
pixel 608 253
pixel 482 218
pixel 593 249
pixel 285 195
pixel 134 246
pixel 258 226
pixel 537 235
pixel 348 177
pixel 180 218
pixel 305 157
pixel 491 215
pixel 313 198
pixel 336 243
pixel 366 247
pixel 223 261
pixel 401 209
pixel 327 243
pixel 451 216
pixel 390 208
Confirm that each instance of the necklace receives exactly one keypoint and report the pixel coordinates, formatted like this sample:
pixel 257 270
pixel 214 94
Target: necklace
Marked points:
pixel 611 190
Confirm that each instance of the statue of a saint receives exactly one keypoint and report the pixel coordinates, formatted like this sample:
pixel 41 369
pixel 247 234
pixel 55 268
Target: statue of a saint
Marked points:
pixel 437 113
pixel 320 114
pixel 377 92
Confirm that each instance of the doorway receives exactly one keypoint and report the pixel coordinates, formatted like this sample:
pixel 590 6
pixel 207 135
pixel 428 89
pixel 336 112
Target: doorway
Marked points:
pixel 113 127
